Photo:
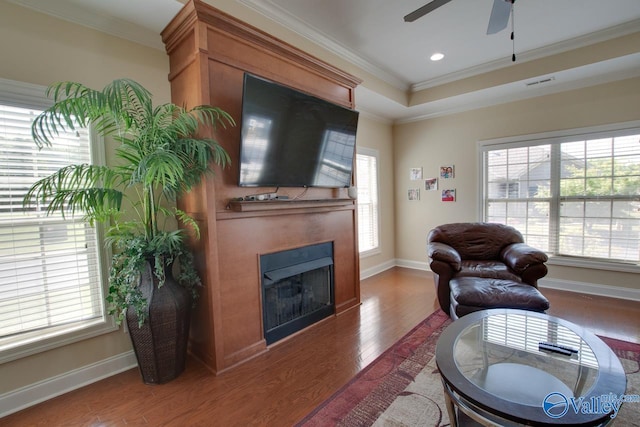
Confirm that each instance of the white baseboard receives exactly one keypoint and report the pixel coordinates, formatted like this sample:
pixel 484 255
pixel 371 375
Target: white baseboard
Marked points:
pixel 590 288
pixel 559 284
pixel 377 269
pixel 33 394
pixel 416 265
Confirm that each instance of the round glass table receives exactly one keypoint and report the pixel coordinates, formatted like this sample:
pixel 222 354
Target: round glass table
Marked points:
pixel 506 367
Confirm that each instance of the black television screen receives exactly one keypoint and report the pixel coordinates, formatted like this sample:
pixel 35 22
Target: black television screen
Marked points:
pixel 292 139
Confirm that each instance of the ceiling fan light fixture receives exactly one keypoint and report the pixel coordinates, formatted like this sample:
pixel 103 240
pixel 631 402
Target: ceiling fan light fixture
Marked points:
pixel 437 56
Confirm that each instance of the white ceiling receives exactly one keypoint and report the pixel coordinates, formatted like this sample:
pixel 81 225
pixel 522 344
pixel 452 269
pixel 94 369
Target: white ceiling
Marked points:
pixel 374 30
pixel 373 35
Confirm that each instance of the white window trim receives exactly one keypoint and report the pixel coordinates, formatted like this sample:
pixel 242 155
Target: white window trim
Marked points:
pixel 371 252
pixel 373 153
pixel 21 94
pixel 555 137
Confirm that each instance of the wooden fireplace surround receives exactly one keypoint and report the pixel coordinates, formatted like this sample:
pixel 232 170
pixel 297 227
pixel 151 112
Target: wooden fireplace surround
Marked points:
pixel 209 52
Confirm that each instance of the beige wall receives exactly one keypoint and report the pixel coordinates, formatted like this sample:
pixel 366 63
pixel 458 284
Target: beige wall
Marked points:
pixel 40 50
pixel 453 139
pixel 377 135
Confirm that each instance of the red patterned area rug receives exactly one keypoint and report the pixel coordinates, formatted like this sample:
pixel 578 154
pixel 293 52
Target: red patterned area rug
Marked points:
pixel 402 387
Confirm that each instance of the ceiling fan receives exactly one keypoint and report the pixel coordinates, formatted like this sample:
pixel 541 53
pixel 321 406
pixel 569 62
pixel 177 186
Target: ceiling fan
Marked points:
pixel 498 20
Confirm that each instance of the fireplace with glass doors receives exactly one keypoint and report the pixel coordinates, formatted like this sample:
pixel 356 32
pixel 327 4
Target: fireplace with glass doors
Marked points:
pixel 297 289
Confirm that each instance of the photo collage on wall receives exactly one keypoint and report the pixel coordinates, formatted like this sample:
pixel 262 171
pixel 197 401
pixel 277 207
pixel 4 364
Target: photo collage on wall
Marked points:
pixel 447 193
pixel 415 174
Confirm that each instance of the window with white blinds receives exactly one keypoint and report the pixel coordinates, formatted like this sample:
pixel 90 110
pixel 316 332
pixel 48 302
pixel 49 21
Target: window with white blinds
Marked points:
pixel 50 275
pixel 571 195
pixel 367 181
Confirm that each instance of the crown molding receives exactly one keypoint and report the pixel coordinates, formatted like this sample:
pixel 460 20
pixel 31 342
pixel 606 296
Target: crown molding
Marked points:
pixel 603 72
pixel 364 113
pixel 302 28
pixel 129 31
pixel 286 19
pixel 553 49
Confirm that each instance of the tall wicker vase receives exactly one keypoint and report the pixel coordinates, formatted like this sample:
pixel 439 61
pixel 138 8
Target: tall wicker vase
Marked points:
pixel 160 344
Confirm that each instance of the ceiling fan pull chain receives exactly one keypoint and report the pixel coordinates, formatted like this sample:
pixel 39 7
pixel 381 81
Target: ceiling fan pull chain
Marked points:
pixel 513 39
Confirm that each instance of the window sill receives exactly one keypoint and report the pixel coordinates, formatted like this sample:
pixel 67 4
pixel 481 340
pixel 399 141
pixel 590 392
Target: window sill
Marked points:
pixel 594 264
pixel 370 252
pixel 14 348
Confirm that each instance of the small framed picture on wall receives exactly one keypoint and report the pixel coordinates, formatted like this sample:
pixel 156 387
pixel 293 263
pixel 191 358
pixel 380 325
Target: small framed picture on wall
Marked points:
pixel 447 172
pixel 431 184
pixel 415 174
pixel 449 195
pixel 414 194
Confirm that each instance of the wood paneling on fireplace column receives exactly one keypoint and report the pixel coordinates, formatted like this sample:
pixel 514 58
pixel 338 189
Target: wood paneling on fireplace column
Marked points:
pixel 209 52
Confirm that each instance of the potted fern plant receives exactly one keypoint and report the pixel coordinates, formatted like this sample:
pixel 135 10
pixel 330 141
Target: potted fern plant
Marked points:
pixel 159 157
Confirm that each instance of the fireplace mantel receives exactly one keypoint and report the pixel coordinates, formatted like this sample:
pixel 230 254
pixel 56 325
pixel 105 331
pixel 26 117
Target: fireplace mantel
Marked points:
pixel 282 204
pixel 209 52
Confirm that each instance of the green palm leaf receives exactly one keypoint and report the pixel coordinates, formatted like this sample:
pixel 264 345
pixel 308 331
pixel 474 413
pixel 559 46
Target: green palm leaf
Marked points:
pixel 161 154
pixel 87 189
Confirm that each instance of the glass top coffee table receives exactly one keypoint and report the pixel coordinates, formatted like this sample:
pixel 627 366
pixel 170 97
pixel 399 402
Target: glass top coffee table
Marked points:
pixel 512 367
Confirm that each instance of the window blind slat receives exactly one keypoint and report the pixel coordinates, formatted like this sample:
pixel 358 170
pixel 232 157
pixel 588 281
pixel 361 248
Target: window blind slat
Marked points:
pixel 578 196
pixel 366 166
pixel 49 265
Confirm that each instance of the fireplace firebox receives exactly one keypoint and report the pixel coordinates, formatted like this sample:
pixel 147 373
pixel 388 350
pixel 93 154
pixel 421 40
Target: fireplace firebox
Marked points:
pixel 297 289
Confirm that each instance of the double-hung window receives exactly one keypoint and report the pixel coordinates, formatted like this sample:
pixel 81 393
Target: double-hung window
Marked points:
pixel 51 281
pixel 367 180
pixel 574 194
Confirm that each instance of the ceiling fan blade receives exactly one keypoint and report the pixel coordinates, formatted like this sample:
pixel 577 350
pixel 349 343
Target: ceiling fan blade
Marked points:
pixel 499 16
pixel 419 13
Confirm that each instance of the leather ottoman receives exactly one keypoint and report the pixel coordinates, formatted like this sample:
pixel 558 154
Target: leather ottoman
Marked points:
pixel 469 294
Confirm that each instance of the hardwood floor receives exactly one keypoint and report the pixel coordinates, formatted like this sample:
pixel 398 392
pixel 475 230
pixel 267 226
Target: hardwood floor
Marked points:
pixel 282 386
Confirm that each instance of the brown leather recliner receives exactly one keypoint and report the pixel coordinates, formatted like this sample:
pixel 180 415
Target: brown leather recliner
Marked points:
pixel 485 251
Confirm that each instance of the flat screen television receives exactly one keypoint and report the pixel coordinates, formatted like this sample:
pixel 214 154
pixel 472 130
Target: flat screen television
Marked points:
pixel 292 139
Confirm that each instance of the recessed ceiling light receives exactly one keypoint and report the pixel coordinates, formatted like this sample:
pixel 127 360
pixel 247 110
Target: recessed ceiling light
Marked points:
pixel 437 56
